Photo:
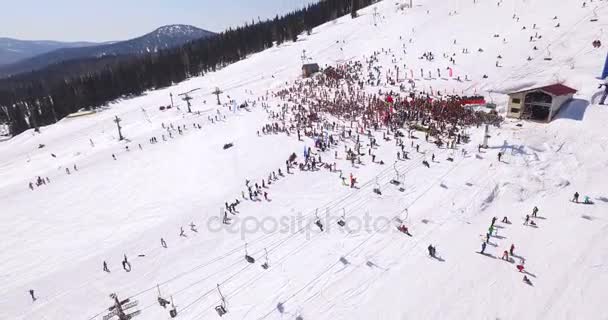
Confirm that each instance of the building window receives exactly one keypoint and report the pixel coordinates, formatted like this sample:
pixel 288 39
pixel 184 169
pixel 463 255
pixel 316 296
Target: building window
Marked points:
pixel 516 100
pixel 514 110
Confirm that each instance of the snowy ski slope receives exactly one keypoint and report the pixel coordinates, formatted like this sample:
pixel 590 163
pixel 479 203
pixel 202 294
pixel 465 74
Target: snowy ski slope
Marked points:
pixel 54 239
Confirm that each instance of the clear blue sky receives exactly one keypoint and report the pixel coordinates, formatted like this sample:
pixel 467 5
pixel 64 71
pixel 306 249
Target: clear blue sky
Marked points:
pixel 106 20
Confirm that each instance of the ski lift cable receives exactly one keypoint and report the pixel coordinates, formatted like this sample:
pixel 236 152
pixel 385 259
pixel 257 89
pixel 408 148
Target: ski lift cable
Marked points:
pixel 304 244
pixel 238 262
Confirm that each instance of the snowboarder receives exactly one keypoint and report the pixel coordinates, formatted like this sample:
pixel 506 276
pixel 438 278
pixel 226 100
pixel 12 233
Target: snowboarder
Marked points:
pixel 587 200
pixel 575 199
pixel 105 267
pixel 32 295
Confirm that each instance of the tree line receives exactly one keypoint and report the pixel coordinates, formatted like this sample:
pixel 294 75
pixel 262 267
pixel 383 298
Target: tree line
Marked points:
pixel 45 96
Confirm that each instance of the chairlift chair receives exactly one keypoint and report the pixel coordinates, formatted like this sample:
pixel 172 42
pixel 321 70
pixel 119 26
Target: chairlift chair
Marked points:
pixel 248 258
pixel 221 309
pixel 377 188
pixel 173 311
pixel 342 221
pixel 396 181
pixel 595 18
pixel 266 264
pixel 548 57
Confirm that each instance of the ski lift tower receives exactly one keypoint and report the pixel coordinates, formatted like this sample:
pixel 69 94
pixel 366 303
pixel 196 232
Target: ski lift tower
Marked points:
pixel 119 309
pixel 186 97
pixel 217 93
pixel 486 136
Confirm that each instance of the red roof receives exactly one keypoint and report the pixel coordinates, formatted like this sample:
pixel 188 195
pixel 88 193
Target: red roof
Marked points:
pixel 558 89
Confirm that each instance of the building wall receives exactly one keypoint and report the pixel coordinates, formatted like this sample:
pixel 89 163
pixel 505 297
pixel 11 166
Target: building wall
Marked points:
pixel 557 103
pixel 516 105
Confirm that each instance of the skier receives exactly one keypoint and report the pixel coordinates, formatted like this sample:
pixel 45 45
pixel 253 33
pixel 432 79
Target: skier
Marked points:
pixel 126 265
pixel 494 221
pixel 511 249
pixel 499 156
pixel 487 238
pixel 113 156
pixel 483 248
pixel 404 229
pixel 181 232
pixel 432 250
pixel 426 163
pixel 163 243
pixel 575 199
pixel 193 227
pixel 505 255
pixel 31 186
pixel 534 211
pixel 225 220
pixel 32 295
pixel 527 281
pixel 506 220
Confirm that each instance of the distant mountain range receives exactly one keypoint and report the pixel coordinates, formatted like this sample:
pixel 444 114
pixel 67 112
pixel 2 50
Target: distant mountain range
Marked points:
pixel 18 56
pixel 14 50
